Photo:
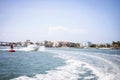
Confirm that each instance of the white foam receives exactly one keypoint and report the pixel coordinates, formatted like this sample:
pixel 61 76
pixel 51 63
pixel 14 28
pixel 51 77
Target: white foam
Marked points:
pixel 73 69
pixel 104 73
pixel 41 48
pixel 109 71
pixel 67 72
pixel 89 77
pixel 4 49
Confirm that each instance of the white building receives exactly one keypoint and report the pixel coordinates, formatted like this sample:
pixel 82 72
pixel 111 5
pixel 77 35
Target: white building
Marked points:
pixel 55 44
pixel 86 44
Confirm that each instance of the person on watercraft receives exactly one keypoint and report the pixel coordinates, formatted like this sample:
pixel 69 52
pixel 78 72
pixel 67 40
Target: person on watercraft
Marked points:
pixel 11 46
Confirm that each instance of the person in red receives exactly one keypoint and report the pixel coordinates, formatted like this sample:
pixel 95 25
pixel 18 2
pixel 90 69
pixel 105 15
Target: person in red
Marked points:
pixel 11 46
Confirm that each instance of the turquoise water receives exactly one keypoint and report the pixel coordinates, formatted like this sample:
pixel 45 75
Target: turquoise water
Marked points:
pixel 60 64
pixel 22 63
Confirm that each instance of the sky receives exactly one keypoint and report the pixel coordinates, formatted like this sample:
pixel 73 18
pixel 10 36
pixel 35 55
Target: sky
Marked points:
pixel 60 20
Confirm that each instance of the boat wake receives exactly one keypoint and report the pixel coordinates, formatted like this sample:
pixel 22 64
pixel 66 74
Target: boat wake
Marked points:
pixel 81 66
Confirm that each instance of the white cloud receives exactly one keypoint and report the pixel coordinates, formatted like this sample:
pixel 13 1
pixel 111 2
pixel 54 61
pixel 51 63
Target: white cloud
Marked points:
pixel 60 30
pixel 56 30
pixel 65 33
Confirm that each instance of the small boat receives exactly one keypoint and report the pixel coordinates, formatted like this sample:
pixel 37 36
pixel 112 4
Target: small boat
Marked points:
pixel 31 48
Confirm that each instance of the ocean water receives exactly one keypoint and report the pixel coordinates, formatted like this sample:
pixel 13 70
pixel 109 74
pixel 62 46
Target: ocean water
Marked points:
pixel 60 64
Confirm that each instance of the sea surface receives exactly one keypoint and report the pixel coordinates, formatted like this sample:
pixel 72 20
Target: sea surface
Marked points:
pixel 60 64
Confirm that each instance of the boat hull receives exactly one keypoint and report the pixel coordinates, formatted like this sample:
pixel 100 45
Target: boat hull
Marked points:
pixel 11 50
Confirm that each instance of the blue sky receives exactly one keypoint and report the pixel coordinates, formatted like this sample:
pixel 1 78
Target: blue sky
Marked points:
pixel 60 20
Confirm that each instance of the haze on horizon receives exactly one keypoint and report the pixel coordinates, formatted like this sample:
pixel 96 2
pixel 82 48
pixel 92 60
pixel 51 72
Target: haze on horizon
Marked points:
pixel 56 20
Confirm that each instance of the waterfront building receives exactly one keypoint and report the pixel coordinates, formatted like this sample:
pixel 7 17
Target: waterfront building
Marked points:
pixel 55 44
pixel 4 43
pixel 86 44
